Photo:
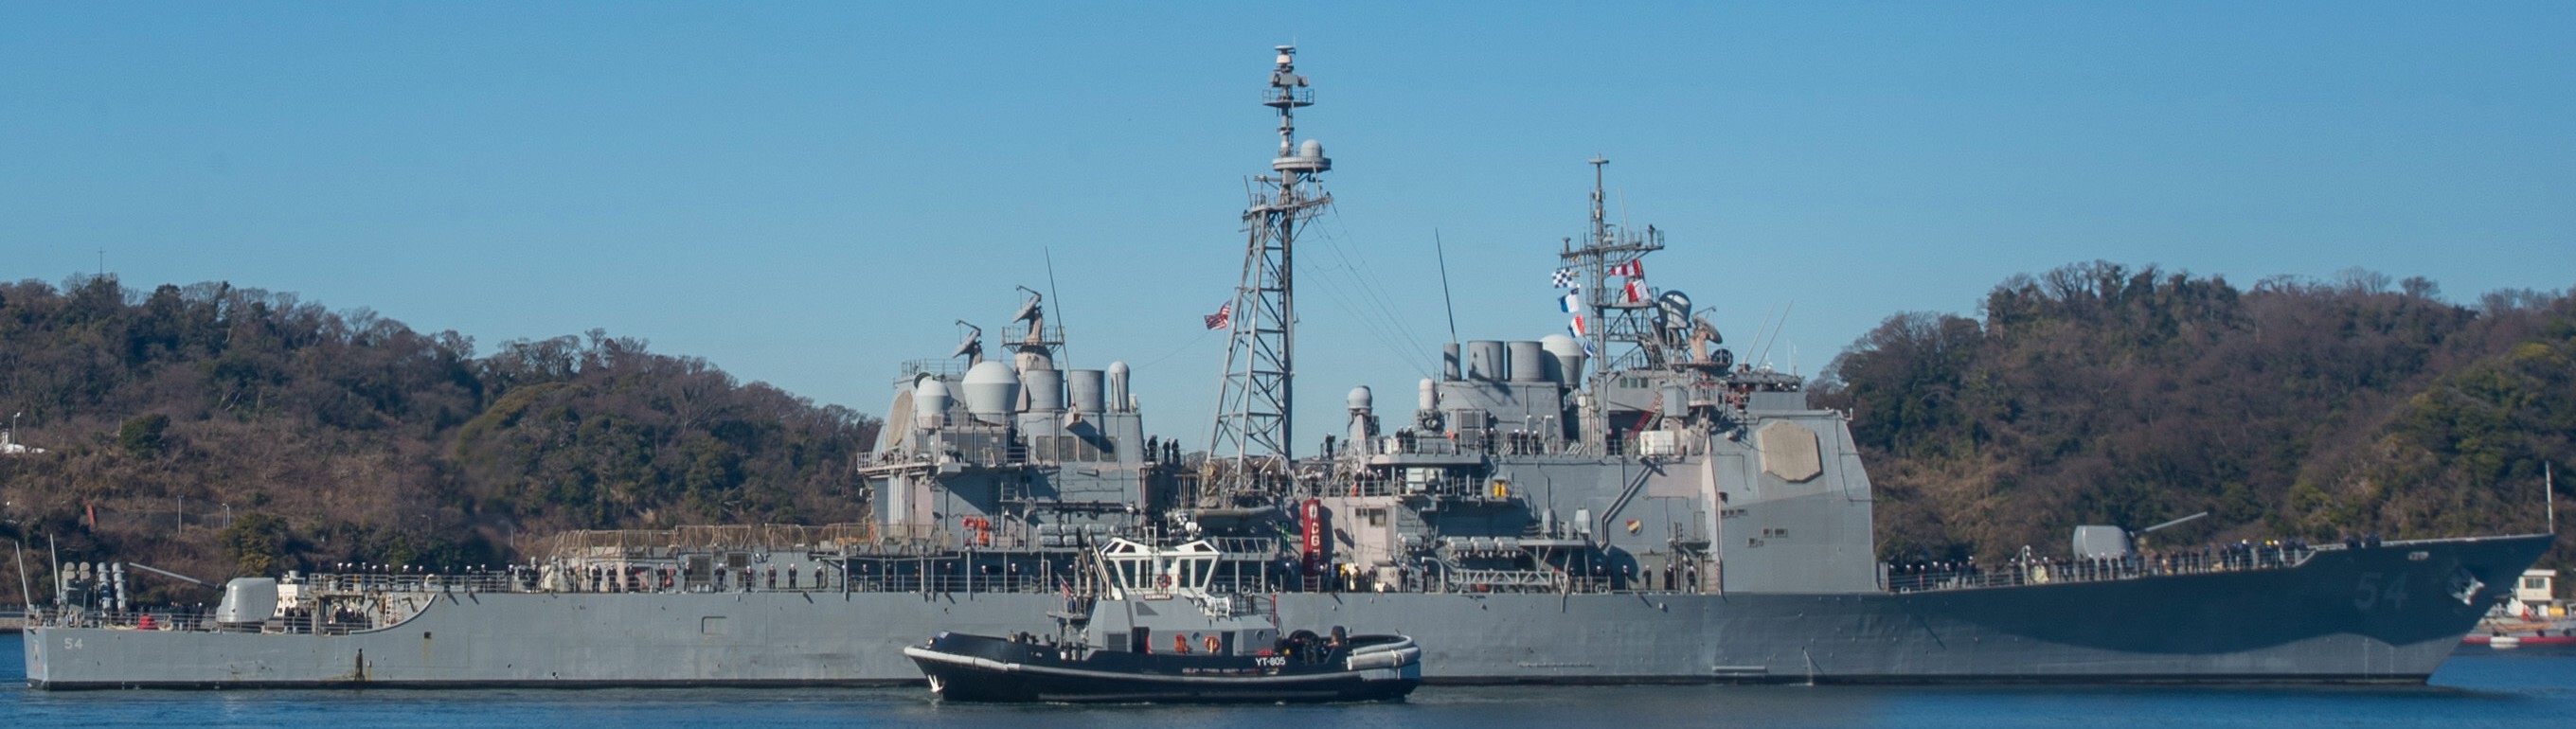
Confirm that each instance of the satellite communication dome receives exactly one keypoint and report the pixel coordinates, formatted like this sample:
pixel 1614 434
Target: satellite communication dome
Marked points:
pixel 1359 398
pixel 991 388
pixel 930 402
pixel 932 394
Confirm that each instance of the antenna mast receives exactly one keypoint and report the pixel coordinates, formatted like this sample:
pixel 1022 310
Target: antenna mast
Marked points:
pixel 1254 400
pixel 1608 316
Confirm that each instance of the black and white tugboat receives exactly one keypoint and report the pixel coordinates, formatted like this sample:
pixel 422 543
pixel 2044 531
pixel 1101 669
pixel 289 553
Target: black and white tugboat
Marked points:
pixel 1157 634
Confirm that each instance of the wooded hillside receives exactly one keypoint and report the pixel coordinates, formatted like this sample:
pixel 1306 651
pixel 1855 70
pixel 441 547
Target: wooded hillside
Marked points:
pixel 216 431
pixel 2101 394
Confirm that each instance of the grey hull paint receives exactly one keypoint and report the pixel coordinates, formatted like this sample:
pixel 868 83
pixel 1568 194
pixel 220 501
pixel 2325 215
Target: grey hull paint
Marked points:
pixel 2370 615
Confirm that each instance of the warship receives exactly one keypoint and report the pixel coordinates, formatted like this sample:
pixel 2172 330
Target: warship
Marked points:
pixel 1623 503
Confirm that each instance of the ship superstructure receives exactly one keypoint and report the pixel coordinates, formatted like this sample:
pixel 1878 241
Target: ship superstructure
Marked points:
pixel 1625 502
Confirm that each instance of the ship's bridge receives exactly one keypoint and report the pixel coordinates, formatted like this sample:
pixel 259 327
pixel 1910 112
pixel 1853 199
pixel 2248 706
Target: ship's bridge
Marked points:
pixel 1137 570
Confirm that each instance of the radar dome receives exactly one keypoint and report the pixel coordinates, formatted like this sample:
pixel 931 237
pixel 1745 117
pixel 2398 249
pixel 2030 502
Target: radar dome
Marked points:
pixel 1359 398
pixel 931 393
pixel 1310 148
pixel 930 401
pixel 991 388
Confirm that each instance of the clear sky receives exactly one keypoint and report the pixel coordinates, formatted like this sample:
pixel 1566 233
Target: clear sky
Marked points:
pixel 809 194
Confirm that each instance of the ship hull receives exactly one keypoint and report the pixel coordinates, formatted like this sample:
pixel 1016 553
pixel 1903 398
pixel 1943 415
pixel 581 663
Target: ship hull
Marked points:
pixel 2384 615
pixel 984 669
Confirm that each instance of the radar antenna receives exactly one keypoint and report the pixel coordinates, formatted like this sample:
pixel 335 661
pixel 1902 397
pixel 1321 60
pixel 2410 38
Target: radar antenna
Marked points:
pixel 1248 453
pixel 970 346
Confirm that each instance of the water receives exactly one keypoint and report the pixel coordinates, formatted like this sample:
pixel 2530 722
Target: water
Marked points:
pixel 2479 688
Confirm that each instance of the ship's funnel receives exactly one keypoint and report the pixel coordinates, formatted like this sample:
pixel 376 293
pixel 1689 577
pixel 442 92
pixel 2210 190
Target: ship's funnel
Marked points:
pixel 1569 358
pixel 989 389
pixel 1086 388
pixel 1045 389
pixel 1449 361
pixel 1485 360
pixel 1528 362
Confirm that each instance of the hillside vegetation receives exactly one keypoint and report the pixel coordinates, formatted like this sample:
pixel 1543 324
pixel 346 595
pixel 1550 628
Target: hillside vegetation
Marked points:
pixel 2101 394
pixel 217 431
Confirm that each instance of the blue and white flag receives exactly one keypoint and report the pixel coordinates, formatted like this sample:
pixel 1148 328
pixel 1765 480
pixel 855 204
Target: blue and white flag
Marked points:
pixel 1564 277
pixel 1571 302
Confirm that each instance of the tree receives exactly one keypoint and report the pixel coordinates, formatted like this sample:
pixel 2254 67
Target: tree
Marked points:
pixel 256 543
pixel 141 435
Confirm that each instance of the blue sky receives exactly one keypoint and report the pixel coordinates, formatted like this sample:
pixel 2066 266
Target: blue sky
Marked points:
pixel 808 194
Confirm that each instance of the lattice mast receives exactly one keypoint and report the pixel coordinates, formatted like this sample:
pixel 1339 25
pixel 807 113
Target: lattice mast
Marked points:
pixel 1610 316
pixel 1248 454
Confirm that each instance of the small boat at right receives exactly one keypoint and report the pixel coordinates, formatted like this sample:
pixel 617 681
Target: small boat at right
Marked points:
pixel 2531 617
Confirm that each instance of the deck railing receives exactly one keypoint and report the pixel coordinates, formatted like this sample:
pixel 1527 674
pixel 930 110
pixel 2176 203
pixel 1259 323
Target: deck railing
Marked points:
pixel 2039 571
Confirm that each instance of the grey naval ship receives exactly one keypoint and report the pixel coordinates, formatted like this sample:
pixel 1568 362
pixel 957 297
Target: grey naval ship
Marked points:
pixel 1622 504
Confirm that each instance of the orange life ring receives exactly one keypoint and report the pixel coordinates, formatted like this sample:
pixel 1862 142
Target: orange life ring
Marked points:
pixel 1180 643
pixel 1211 644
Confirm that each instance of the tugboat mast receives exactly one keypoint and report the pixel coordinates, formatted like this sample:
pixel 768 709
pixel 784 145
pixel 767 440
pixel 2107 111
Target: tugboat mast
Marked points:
pixel 1248 455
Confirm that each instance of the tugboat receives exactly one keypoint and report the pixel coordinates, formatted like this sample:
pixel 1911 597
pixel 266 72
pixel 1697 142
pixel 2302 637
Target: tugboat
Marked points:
pixel 1158 634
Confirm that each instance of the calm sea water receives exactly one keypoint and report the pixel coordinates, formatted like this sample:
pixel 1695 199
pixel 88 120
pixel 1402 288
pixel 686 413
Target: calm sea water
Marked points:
pixel 2476 689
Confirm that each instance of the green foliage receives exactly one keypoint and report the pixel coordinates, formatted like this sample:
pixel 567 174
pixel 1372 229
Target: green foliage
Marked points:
pixel 256 543
pixel 141 436
pixel 380 444
pixel 2101 394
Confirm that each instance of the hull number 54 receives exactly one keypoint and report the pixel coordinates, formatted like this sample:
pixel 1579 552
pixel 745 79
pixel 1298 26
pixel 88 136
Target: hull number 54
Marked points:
pixel 2374 590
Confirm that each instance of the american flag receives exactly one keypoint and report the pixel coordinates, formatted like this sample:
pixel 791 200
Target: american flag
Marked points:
pixel 1634 268
pixel 1223 315
pixel 1564 277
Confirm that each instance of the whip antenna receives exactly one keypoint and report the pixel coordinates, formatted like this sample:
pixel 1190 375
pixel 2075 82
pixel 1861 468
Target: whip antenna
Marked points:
pixel 1444 285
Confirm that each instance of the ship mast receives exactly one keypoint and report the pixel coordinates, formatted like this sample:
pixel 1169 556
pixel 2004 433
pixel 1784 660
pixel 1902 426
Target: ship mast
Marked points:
pixel 1610 316
pixel 1248 455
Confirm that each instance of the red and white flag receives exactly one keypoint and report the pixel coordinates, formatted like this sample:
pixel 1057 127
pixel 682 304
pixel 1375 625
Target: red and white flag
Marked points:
pixel 1634 268
pixel 1224 315
pixel 1636 290
pixel 1576 327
